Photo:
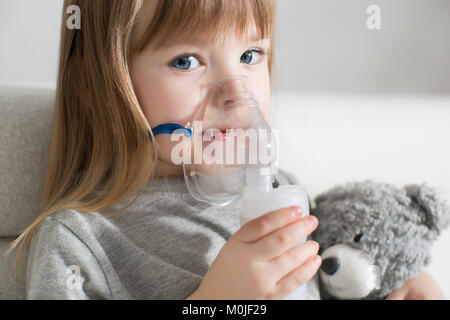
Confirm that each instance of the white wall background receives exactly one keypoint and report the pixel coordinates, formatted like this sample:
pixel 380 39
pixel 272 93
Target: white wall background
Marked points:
pixel 325 46
pixel 29 40
pixel 399 135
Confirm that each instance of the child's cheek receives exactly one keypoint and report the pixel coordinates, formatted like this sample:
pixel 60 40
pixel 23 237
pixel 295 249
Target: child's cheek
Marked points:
pixel 164 148
pixel 262 91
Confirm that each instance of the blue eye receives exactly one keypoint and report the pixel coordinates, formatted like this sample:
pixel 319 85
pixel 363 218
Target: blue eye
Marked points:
pixel 186 62
pixel 249 56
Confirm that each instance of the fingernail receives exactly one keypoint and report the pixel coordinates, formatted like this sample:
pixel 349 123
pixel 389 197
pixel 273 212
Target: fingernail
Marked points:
pixel 315 244
pixel 313 221
pixel 297 211
pixel 317 259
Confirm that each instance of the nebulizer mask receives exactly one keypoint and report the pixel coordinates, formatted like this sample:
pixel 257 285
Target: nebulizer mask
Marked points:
pixel 229 150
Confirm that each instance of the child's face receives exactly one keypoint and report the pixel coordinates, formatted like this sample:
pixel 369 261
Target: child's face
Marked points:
pixel 169 83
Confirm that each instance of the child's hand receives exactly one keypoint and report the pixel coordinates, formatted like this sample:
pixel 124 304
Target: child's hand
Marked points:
pixel 259 261
pixel 422 287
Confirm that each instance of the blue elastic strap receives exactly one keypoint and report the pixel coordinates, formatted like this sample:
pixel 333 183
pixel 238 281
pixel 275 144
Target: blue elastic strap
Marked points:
pixel 169 128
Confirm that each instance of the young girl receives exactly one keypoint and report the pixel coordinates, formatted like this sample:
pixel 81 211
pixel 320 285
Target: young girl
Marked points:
pixel 118 221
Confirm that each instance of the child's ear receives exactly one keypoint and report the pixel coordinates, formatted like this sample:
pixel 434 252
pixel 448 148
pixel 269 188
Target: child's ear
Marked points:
pixel 435 211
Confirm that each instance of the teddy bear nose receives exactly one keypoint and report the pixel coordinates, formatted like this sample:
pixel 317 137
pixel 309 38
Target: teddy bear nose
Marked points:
pixel 330 265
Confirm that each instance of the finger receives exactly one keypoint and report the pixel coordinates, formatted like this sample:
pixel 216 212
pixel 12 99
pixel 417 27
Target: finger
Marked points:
pixel 259 227
pixel 298 277
pixel 283 239
pixel 293 258
pixel 398 294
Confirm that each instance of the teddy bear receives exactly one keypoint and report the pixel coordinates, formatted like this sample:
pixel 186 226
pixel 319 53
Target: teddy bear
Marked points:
pixel 375 236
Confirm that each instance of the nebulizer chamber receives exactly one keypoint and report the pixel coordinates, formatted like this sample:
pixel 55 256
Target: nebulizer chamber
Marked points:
pixel 238 151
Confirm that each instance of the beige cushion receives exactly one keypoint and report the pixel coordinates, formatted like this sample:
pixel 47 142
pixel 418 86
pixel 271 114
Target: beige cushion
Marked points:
pixel 25 123
pixel 10 288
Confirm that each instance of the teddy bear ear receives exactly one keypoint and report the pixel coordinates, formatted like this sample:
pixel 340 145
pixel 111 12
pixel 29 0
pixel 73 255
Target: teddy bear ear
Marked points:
pixel 435 211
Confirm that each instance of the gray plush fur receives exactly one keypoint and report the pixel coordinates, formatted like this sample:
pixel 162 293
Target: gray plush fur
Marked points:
pixel 398 226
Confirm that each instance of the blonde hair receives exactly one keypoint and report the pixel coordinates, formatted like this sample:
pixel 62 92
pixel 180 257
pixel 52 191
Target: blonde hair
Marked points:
pixel 100 136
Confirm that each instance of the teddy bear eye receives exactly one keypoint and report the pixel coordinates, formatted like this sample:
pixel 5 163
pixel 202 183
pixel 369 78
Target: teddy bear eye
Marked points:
pixel 357 238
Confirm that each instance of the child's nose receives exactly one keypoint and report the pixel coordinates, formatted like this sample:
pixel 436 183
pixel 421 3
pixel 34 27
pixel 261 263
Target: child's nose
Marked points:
pixel 232 89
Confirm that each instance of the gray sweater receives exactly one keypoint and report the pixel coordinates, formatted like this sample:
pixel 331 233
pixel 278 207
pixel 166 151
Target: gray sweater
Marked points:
pixel 158 248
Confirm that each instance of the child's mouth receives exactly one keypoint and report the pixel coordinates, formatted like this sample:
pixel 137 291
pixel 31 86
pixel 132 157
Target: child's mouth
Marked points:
pixel 223 135
pixel 218 135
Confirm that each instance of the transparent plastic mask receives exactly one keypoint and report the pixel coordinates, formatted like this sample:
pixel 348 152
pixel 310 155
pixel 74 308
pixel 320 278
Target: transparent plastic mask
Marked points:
pixel 229 137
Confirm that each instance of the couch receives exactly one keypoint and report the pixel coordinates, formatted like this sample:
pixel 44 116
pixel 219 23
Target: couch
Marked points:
pixel 25 121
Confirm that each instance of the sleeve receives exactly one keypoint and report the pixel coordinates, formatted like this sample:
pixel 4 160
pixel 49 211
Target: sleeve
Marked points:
pixel 61 266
